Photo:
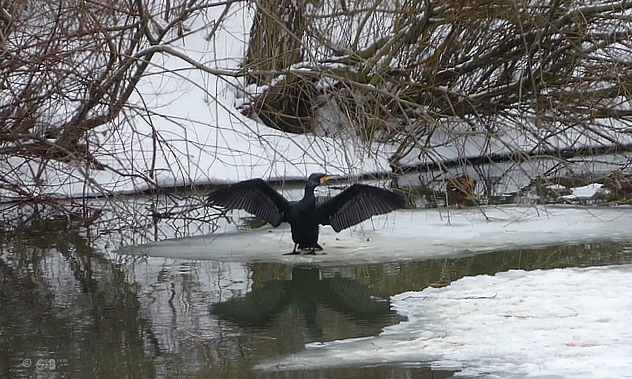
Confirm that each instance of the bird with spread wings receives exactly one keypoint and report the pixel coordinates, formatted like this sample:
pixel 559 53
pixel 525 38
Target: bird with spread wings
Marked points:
pixel 355 204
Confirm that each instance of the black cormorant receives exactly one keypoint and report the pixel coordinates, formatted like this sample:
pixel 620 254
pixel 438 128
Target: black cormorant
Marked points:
pixel 353 205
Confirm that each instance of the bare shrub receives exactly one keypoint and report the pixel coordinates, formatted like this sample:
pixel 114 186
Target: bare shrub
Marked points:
pixel 67 72
pixel 530 78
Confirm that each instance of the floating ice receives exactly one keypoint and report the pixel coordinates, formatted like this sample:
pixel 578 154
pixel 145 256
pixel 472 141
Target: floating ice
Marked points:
pixel 563 323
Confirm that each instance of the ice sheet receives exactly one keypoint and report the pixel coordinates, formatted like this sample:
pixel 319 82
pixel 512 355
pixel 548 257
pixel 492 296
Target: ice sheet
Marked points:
pixel 411 234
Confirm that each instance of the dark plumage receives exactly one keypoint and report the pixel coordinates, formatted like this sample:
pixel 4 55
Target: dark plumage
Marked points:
pixel 357 203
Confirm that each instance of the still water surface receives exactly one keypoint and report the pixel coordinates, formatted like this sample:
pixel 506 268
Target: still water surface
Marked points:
pixel 70 308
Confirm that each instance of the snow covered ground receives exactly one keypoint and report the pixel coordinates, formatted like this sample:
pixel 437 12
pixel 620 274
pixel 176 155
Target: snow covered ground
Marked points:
pixel 195 133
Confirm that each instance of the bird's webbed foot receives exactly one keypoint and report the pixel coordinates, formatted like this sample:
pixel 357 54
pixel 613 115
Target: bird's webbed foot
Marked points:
pixel 293 252
pixel 312 250
pixel 306 250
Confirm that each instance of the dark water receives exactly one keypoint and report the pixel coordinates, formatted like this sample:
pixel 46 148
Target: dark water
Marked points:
pixel 70 308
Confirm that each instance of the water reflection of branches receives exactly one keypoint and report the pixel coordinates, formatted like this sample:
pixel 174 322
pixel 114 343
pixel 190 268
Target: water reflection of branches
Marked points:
pixel 45 310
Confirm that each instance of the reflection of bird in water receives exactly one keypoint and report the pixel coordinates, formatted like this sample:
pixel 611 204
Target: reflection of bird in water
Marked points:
pixel 460 190
pixel 310 294
pixel 352 206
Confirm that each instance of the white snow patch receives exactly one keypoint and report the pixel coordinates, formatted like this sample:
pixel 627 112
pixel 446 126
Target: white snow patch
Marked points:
pixel 556 187
pixel 586 192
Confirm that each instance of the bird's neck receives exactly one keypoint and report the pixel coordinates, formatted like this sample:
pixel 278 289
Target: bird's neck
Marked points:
pixel 309 193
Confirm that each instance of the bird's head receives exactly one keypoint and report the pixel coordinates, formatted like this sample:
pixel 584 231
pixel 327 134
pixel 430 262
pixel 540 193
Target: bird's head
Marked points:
pixel 318 179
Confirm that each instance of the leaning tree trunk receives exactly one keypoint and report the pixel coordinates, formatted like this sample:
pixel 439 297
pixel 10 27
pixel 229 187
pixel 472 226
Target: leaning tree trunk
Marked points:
pixel 275 45
pixel 275 39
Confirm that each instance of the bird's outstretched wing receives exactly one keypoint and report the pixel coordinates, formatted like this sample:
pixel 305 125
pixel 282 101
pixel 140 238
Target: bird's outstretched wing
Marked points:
pixel 254 196
pixel 356 204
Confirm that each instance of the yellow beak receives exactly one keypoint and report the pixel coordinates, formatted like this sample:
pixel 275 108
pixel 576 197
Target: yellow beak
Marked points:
pixel 328 177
